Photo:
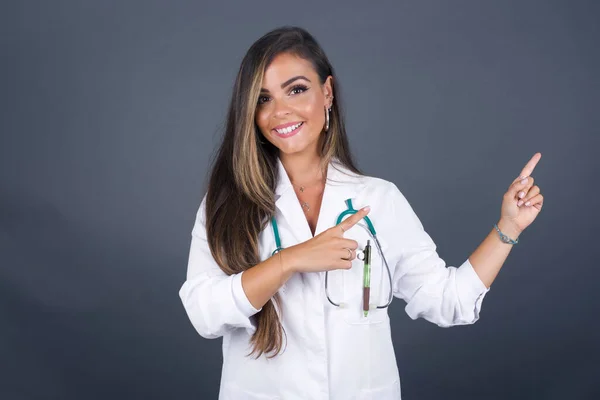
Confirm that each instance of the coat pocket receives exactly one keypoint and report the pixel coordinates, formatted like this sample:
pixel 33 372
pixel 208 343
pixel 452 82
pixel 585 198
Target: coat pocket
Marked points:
pixel 345 287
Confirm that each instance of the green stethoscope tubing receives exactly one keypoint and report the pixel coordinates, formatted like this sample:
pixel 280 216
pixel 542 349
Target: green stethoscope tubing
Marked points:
pixel 370 230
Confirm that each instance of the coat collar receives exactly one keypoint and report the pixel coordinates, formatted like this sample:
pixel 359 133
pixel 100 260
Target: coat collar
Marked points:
pixel 341 184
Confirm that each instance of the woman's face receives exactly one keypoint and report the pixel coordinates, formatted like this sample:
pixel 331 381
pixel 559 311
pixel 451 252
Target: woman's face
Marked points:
pixel 291 107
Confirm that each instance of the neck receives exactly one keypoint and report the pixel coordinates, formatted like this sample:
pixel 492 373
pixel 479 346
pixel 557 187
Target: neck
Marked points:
pixel 302 169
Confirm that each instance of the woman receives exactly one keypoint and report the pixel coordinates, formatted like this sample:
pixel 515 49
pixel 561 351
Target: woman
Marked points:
pixel 296 323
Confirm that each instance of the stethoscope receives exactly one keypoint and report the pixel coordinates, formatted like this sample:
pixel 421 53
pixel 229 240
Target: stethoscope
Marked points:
pixel 370 230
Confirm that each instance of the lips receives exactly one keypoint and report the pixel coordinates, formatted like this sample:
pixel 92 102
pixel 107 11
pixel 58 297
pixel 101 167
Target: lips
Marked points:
pixel 288 130
pixel 282 126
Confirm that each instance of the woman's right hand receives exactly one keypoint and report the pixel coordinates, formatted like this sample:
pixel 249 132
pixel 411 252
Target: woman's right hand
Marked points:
pixel 327 251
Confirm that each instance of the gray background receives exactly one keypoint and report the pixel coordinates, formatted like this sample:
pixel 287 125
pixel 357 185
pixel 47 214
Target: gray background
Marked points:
pixel 111 110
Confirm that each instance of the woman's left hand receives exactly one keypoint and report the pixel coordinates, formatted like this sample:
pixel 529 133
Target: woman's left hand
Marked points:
pixel 523 201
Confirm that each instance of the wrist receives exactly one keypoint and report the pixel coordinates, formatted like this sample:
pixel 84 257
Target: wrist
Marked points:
pixel 288 264
pixel 509 228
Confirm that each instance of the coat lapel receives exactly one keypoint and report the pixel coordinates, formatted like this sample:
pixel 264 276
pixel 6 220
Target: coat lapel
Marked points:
pixel 341 185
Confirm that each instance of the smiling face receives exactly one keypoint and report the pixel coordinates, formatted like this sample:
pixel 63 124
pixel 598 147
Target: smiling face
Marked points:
pixel 291 107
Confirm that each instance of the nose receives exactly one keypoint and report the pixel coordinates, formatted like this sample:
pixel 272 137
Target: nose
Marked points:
pixel 280 109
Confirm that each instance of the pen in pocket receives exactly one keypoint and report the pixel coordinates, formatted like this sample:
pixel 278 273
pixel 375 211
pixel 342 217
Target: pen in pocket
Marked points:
pixel 367 278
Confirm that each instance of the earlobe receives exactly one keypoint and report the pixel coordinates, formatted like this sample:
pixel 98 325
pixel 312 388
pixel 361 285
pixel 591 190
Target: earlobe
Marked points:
pixel 330 102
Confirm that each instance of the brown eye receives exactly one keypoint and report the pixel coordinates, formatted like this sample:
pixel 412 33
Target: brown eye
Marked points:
pixel 263 99
pixel 299 89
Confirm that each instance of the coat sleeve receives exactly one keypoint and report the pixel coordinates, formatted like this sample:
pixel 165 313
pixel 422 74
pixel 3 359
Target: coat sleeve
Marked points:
pixel 214 301
pixel 446 296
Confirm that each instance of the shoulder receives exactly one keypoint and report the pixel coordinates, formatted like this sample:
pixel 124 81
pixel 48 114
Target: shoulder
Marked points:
pixel 379 186
pixel 340 175
pixel 376 183
pixel 386 196
pixel 371 187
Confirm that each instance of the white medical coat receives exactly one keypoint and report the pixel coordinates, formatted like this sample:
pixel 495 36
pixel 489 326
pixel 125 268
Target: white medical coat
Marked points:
pixel 329 352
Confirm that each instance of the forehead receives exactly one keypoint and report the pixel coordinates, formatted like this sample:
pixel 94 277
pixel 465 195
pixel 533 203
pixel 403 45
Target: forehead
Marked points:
pixel 285 66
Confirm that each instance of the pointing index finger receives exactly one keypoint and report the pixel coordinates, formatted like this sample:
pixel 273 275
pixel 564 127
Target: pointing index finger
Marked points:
pixel 529 167
pixel 354 218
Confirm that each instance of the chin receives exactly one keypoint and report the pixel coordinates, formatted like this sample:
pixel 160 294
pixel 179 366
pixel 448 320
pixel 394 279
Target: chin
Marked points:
pixel 288 150
pixel 297 144
pixel 298 148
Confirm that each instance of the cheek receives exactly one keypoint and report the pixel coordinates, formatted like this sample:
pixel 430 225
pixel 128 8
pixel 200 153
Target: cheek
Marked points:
pixel 317 119
pixel 313 110
pixel 262 120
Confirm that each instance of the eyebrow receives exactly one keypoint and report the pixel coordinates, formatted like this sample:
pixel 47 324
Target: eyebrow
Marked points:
pixel 286 83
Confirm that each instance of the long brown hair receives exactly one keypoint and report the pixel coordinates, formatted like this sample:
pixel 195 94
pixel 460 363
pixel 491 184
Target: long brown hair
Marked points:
pixel 240 196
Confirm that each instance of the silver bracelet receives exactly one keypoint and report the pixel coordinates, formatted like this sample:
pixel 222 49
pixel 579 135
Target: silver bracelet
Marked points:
pixel 505 238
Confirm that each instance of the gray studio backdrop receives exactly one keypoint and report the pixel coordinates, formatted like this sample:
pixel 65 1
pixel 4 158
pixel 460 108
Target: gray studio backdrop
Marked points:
pixel 111 110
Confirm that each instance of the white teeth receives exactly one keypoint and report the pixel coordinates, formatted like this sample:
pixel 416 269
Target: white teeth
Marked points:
pixel 287 130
